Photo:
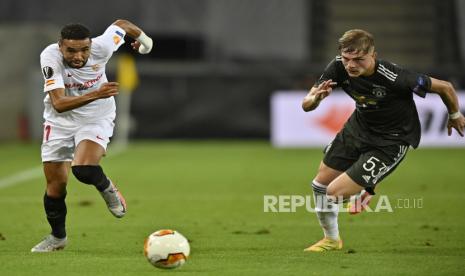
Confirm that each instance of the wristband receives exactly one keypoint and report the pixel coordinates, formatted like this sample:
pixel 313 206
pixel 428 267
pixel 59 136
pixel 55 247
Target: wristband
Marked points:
pixel 455 115
pixel 146 43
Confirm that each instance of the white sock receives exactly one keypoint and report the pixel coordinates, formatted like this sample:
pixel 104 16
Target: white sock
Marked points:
pixel 326 212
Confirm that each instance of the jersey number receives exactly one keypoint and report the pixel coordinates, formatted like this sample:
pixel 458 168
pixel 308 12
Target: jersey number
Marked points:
pixel 47 132
pixel 370 166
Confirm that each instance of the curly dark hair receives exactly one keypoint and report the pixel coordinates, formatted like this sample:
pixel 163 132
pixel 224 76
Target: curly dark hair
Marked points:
pixel 75 31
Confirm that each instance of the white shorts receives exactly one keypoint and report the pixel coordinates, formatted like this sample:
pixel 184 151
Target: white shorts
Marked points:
pixel 59 143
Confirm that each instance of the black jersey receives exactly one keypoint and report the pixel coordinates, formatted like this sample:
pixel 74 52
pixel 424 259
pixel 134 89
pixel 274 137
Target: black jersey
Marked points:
pixel 385 111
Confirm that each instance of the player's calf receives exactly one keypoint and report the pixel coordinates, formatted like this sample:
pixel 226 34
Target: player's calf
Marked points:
pixel 92 175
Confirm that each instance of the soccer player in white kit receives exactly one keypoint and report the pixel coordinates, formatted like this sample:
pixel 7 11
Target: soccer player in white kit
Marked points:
pixel 79 114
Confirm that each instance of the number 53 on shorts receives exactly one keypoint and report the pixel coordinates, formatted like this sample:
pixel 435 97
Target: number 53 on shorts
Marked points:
pixel 375 165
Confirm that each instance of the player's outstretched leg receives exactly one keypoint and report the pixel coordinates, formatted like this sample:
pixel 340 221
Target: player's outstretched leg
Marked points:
pixel 327 213
pixel 93 174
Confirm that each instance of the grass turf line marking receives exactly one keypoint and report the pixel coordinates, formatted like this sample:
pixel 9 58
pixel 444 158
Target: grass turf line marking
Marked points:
pixel 37 172
pixel 20 177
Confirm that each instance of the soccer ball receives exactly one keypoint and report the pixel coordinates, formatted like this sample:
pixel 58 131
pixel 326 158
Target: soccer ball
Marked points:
pixel 166 249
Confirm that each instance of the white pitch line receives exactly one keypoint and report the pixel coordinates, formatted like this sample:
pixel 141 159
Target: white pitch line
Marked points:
pixel 21 177
pixel 37 172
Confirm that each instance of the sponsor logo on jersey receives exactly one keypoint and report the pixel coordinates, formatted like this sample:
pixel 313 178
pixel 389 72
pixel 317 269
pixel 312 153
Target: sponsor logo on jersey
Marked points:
pixel 83 86
pixel 47 71
pixel 119 33
pixel 364 101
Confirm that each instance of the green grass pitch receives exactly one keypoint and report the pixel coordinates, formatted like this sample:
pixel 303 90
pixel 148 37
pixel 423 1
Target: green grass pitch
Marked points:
pixel 212 192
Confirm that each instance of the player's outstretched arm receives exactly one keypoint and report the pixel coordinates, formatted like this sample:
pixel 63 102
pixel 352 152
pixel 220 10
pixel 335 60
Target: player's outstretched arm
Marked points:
pixel 63 103
pixel 143 44
pixel 448 95
pixel 317 94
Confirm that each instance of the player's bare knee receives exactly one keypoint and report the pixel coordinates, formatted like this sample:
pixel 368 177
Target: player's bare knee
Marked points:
pixel 323 177
pixel 326 174
pixel 56 189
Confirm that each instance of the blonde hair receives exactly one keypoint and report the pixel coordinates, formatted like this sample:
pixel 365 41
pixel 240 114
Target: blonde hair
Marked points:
pixel 356 41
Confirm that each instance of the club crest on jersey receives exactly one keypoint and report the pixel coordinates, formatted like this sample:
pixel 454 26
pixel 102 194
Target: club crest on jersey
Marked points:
pixel 96 67
pixel 47 71
pixel 378 91
pixel 116 39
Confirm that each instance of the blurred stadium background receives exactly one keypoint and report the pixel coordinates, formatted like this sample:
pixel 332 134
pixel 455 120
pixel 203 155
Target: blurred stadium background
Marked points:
pixel 216 62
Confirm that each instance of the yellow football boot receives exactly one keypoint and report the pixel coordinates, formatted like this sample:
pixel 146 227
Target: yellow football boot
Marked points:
pixel 325 244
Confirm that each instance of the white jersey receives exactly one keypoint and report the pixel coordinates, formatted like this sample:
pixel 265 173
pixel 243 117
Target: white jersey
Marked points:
pixel 76 82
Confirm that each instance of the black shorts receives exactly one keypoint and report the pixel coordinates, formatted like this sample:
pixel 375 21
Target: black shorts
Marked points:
pixel 366 164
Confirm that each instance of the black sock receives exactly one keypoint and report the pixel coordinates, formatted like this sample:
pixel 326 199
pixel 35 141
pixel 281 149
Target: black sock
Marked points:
pixel 55 208
pixel 103 183
pixel 91 174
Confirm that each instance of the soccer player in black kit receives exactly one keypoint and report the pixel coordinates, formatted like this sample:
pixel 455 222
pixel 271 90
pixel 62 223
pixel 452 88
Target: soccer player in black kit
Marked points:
pixel 377 135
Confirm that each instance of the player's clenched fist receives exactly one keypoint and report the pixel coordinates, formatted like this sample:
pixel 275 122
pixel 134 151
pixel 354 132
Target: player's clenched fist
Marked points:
pixel 108 89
